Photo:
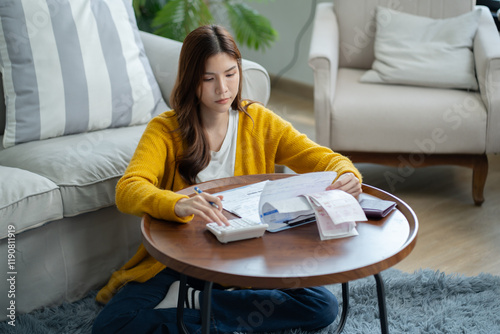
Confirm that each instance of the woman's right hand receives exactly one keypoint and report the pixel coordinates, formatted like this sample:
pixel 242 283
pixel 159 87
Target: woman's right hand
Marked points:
pixel 200 206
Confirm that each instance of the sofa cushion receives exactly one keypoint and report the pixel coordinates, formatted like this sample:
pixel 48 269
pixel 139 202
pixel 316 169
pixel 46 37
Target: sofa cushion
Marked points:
pixel 357 25
pixel 418 50
pixel 85 167
pixel 27 200
pixel 71 67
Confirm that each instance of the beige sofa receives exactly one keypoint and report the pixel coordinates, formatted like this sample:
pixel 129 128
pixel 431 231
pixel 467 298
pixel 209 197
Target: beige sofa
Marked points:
pixel 57 200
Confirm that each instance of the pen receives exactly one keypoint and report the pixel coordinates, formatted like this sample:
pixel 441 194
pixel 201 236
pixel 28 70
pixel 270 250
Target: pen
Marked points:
pixel 199 191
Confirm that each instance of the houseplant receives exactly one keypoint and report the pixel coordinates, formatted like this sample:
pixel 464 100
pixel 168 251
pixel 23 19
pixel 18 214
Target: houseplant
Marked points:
pixel 176 18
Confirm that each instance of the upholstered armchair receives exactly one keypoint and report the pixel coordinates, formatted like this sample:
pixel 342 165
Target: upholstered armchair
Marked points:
pixel 367 111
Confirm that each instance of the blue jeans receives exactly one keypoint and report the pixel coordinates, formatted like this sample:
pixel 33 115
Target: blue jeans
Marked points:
pixel 131 310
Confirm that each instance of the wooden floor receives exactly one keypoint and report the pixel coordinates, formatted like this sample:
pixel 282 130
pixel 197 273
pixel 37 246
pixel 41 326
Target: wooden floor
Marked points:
pixel 455 236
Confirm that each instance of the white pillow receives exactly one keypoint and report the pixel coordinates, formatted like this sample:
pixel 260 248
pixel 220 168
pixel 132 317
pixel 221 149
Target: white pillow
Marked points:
pixel 416 50
pixel 73 66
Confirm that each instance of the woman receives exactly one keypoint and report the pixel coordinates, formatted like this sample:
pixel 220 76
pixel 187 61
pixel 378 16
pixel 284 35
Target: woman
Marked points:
pixel 210 133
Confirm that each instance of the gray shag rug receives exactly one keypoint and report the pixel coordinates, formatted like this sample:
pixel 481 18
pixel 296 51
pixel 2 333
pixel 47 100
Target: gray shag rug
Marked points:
pixel 422 302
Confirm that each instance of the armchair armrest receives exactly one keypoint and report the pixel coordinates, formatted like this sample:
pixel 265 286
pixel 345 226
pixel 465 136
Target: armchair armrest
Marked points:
pixel 487 59
pixel 324 60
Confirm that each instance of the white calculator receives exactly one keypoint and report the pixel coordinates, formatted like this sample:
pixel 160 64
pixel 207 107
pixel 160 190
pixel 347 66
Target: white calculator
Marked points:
pixel 239 229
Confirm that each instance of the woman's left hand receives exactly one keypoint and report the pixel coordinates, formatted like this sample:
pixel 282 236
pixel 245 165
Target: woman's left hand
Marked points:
pixel 347 182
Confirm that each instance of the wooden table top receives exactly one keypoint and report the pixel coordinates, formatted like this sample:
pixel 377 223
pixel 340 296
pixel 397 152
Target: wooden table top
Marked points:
pixel 287 259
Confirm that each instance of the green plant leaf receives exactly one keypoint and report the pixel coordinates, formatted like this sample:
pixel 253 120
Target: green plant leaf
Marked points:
pixel 250 28
pixel 179 17
pixel 145 11
pixel 176 18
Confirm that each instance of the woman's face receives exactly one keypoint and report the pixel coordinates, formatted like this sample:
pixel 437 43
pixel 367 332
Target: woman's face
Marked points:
pixel 220 83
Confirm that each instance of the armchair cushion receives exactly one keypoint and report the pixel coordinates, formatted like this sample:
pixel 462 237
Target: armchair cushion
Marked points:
pixel 71 67
pixel 402 118
pixel 422 51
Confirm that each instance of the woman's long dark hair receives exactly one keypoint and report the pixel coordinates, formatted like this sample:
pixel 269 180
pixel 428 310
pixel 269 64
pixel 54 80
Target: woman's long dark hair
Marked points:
pixel 199 45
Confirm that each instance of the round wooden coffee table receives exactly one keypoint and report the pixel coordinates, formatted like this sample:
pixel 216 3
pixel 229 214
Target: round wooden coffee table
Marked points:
pixel 291 258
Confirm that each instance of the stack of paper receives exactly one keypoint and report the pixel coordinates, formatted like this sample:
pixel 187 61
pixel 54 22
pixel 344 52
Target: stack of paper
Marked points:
pixel 297 200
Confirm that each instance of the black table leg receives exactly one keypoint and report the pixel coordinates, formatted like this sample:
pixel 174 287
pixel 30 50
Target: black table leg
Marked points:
pixel 206 307
pixel 345 307
pixel 180 304
pixel 381 304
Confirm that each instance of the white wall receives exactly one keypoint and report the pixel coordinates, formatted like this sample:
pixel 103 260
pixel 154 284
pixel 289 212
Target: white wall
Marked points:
pixel 288 18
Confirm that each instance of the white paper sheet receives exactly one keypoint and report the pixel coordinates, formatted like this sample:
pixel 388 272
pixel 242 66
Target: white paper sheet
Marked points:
pixel 243 201
pixel 339 205
pixel 295 186
pixel 279 214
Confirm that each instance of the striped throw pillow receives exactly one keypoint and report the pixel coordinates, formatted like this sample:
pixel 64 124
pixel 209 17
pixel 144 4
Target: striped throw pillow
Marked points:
pixel 72 66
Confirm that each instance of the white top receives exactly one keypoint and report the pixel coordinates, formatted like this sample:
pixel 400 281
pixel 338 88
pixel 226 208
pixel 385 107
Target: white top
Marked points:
pixel 222 162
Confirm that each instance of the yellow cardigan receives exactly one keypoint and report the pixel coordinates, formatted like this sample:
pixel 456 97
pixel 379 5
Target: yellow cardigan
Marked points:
pixel 151 179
